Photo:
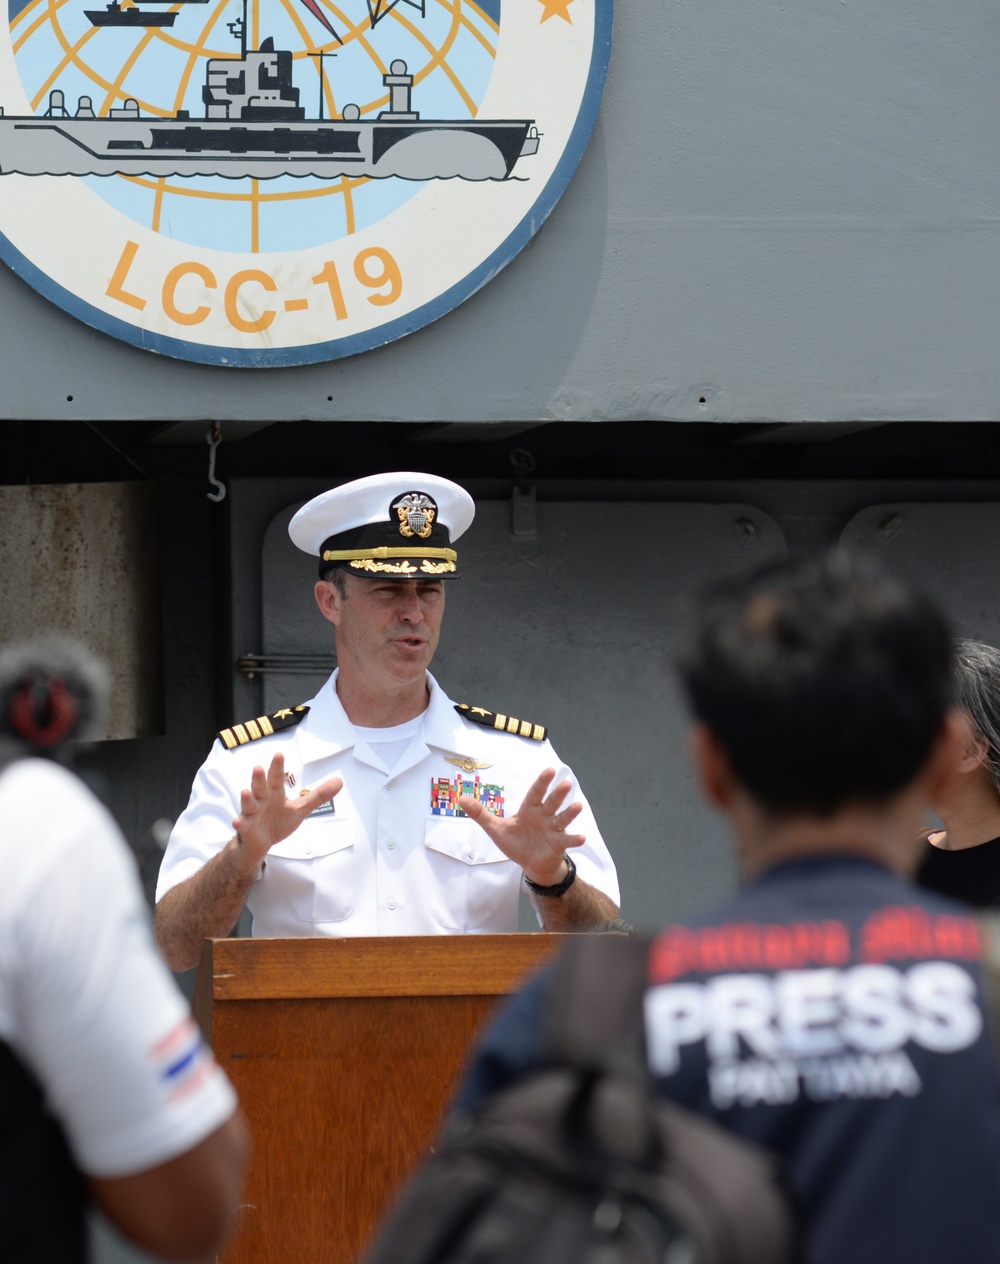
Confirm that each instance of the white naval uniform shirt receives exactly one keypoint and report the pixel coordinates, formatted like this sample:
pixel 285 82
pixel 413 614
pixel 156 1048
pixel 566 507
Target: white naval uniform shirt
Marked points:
pixel 382 861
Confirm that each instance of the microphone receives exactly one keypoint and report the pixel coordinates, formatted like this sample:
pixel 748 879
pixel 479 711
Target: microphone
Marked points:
pixel 53 690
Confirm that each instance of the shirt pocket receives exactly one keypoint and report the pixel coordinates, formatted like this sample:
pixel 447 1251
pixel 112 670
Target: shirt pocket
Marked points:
pixel 312 871
pixel 474 886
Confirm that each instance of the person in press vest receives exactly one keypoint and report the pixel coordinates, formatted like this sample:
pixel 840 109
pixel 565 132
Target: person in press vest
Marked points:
pixel 831 1011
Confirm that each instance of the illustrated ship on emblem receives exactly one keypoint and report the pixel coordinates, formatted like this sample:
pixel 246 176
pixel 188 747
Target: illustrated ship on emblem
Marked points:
pixel 255 127
pixel 114 14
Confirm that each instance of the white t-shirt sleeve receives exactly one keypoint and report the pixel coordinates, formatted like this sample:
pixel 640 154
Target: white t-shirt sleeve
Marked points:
pixel 85 999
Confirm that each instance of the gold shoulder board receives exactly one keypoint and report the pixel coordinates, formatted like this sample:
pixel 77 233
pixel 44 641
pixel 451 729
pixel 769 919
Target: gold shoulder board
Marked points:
pixel 502 723
pixel 263 726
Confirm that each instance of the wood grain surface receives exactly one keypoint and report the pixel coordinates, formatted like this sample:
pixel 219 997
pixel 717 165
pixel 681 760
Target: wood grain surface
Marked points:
pixel 346 1054
pixel 417 965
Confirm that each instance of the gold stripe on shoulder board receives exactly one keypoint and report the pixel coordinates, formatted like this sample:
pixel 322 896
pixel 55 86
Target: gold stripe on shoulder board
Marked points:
pixel 262 726
pixel 502 723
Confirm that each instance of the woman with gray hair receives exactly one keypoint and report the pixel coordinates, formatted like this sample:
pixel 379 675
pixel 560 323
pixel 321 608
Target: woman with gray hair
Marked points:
pixel 963 859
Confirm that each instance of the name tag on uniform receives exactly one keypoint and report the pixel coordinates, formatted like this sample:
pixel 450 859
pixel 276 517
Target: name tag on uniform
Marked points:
pixel 324 809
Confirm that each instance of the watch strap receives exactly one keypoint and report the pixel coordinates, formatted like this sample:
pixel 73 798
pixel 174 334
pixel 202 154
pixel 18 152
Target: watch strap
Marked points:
pixel 558 888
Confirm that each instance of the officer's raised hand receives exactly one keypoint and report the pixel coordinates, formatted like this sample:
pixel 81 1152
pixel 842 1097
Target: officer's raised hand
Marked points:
pixel 268 815
pixel 535 838
pixel 208 904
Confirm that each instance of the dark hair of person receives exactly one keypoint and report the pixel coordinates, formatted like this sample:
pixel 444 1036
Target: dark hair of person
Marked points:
pixel 335 575
pixel 825 681
pixel 977 684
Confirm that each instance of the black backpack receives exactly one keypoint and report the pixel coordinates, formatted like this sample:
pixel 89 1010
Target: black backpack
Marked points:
pixel 580 1162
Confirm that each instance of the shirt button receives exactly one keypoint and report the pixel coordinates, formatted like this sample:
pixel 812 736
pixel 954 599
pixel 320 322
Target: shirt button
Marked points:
pixel 389 785
pixel 309 850
pixel 390 844
pixel 471 855
pixel 392 904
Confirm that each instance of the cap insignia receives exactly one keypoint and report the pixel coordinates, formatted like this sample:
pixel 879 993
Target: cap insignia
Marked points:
pixel 502 723
pixel 416 512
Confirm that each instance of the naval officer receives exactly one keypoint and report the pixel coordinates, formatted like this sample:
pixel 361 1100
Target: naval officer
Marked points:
pixel 381 807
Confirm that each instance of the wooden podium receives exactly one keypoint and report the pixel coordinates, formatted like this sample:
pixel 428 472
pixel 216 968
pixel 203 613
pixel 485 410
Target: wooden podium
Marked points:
pixel 345 1053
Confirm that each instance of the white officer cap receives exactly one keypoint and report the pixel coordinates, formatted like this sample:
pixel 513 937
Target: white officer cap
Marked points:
pixel 393 526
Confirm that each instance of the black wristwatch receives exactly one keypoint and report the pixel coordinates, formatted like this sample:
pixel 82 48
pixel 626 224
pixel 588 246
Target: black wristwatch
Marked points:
pixel 559 888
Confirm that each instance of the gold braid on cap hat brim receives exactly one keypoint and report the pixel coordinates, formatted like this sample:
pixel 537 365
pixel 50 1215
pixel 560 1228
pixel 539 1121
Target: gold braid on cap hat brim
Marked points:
pixel 375 559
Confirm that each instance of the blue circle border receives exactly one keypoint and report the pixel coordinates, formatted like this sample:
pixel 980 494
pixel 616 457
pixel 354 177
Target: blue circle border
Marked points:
pixel 338 348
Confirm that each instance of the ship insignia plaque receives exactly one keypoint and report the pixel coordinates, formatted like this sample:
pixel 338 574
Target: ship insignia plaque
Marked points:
pixel 263 183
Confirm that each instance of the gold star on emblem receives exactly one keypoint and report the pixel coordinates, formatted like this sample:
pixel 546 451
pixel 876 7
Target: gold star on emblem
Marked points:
pixel 467 763
pixel 556 9
pixel 479 711
pixel 283 714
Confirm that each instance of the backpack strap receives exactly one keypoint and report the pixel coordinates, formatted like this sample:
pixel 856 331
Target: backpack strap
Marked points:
pixel 594 1027
pixel 595 1001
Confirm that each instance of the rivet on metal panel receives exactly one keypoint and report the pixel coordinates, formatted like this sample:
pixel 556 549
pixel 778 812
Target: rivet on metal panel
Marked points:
pixel 160 830
pixel 890 526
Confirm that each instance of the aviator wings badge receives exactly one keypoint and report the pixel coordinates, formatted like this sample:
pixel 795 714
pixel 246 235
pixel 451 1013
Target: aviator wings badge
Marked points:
pixel 467 763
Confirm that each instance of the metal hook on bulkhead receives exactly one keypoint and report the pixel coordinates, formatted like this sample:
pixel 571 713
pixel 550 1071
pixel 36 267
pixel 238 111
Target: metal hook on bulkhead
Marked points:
pixel 214 438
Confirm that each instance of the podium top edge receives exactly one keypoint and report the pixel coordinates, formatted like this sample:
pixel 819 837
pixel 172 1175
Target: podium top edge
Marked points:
pixel 411 965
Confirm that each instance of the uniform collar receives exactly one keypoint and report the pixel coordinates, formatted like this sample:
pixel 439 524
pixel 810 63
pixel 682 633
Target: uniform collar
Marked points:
pixel 444 728
pixel 327 731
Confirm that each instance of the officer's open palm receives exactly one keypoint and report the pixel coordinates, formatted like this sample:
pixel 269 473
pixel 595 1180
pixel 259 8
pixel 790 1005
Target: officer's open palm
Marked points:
pixel 268 815
pixel 535 837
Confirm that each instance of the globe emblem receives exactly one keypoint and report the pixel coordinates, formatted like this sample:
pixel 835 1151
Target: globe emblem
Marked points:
pixel 280 182
pixel 70 57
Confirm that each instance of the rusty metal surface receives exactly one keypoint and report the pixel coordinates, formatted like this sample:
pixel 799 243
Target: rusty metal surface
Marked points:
pixel 83 559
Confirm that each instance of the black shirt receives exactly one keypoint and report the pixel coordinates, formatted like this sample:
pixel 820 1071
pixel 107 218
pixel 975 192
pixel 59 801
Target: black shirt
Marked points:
pixel 42 1196
pixel 971 874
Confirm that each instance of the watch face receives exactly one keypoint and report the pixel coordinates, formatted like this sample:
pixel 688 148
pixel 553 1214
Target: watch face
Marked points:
pixel 278 182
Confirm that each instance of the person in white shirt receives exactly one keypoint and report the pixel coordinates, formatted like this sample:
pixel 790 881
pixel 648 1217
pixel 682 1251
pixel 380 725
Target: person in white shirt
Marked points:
pixel 382 807
pixel 107 1090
